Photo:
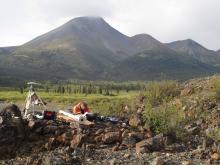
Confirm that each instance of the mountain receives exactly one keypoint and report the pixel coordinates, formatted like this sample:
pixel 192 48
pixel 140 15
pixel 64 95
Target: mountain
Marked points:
pixel 89 48
pixel 158 65
pixel 7 50
pixel 84 33
pixel 195 50
pixel 84 48
pixel 93 33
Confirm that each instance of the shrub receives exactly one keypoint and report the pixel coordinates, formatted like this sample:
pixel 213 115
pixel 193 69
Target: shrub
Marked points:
pixel 214 133
pixel 165 119
pixel 215 84
pixel 157 92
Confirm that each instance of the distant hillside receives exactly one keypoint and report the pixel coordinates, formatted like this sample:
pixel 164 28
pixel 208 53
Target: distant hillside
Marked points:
pixel 89 48
pixel 157 65
pixel 195 50
pixel 7 50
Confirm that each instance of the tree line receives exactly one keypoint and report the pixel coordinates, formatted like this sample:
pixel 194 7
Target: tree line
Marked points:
pixel 104 88
pixel 92 88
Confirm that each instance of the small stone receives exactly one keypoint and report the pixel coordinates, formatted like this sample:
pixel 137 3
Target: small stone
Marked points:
pixel 34 124
pixel 90 146
pixel 139 111
pixel 192 129
pixel 157 161
pixel 142 147
pixel 112 162
pixel 98 138
pixel 31 124
pixel 115 148
pixel 126 155
pixel 99 131
pixel 197 151
pixel 137 135
pixel 50 143
pixel 186 162
pixel 125 133
pixel 108 129
pixel 208 105
pixel 168 154
pixel 149 134
pixel 215 156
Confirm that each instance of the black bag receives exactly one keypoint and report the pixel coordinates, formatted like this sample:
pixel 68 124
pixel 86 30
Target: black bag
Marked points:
pixel 91 116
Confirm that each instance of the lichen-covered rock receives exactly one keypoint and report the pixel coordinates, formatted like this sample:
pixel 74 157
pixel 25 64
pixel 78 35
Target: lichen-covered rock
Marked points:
pixel 112 137
pixel 152 144
pixel 135 120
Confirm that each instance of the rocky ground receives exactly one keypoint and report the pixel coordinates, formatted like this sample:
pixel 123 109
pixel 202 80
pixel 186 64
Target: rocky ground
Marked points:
pixel 127 142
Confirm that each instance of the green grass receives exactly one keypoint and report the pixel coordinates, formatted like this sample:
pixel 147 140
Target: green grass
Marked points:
pixel 17 96
pixel 106 105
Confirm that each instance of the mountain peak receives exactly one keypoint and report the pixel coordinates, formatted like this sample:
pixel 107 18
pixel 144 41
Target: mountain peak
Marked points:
pixel 87 29
pixel 189 42
pixel 88 19
pixel 143 35
pixel 186 44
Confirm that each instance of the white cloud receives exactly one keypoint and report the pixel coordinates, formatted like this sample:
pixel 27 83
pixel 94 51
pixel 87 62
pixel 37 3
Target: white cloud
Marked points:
pixel 166 20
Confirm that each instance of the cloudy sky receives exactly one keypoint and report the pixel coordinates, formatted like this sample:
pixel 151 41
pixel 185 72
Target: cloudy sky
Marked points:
pixel 166 20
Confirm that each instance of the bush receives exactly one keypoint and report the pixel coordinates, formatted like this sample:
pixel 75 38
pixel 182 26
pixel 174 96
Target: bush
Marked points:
pixel 157 92
pixel 214 133
pixel 215 84
pixel 165 119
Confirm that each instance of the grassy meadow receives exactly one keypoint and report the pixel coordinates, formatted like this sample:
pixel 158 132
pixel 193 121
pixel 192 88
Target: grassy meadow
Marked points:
pixel 100 103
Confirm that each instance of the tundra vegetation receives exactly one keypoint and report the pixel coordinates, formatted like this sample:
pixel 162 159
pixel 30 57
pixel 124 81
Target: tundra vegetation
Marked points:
pixel 167 107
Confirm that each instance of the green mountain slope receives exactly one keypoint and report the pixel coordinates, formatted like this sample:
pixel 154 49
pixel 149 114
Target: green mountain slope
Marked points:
pixel 157 65
pixel 89 48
